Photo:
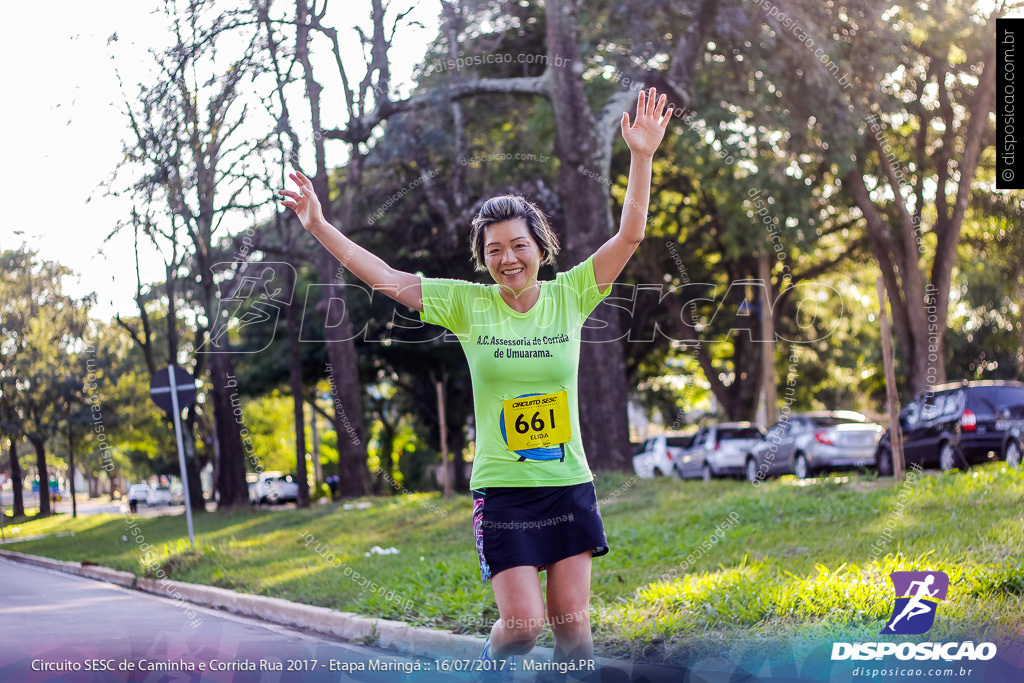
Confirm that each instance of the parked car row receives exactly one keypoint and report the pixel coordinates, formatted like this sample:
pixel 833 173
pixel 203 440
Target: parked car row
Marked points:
pixel 801 443
pixel 951 426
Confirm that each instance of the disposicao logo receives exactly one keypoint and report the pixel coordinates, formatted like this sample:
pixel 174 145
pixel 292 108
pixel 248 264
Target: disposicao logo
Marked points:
pixel 917 597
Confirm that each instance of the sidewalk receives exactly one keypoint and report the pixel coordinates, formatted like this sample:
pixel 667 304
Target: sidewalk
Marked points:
pixel 392 635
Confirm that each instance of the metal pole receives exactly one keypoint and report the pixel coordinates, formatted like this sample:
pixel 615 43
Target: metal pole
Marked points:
pixel 314 428
pixel 181 453
pixel 768 341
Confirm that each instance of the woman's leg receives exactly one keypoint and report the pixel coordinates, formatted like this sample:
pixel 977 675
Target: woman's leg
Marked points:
pixel 521 607
pixel 569 607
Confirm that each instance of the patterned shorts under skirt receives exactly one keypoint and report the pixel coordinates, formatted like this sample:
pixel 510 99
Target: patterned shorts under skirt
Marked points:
pixel 535 526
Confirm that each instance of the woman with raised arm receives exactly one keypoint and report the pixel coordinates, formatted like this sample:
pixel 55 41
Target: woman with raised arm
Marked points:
pixel 534 503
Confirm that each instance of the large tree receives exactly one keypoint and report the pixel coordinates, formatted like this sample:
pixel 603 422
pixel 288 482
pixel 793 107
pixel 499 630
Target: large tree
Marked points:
pixel 298 31
pixel 157 332
pixel 10 425
pixel 910 93
pixel 42 329
pixel 927 124
pixel 191 156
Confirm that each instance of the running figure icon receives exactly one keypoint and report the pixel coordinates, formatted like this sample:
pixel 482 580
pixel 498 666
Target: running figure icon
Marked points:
pixel 918 595
pixel 914 605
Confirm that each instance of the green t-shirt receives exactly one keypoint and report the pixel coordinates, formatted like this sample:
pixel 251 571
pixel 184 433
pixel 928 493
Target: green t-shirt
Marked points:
pixel 514 354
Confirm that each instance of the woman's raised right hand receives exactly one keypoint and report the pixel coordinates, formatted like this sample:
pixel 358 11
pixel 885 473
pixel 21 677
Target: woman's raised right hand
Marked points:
pixel 304 202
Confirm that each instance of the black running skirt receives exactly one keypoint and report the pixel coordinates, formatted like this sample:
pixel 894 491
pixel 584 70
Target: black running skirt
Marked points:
pixel 535 526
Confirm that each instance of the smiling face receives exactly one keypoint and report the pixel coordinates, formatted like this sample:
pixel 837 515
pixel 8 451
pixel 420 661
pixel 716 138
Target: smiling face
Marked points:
pixel 512 255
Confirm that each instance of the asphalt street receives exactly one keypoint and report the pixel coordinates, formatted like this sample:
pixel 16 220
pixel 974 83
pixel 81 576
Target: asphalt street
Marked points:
pixel 56 627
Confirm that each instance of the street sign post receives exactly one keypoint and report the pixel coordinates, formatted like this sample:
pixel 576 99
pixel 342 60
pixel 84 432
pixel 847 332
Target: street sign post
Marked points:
pixel 173 388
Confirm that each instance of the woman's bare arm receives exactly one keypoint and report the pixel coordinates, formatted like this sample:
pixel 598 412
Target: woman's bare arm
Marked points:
pixel 642 138
pixel 401 286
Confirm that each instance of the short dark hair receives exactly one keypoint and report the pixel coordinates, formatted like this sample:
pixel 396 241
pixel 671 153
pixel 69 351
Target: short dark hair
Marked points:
pixel 510 207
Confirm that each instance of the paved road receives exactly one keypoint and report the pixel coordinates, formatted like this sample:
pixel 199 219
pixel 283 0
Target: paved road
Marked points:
pixel 56 627
pixel 89 506
pixel 56 621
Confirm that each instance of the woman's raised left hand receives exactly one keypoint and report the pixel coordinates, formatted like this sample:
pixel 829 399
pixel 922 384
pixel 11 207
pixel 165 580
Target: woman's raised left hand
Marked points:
pixel 648 130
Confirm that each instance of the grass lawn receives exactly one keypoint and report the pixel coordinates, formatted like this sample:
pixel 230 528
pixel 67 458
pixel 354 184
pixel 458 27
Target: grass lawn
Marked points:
pixel 695 569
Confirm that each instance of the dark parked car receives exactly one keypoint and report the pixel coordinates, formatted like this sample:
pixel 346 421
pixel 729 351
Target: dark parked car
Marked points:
pixel 1013 445
pixel 806 443
pixel 956 425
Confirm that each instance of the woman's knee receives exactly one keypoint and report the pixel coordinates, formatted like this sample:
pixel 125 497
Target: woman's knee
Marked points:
pixel 572 626
pixel 521 604
pixel 523 628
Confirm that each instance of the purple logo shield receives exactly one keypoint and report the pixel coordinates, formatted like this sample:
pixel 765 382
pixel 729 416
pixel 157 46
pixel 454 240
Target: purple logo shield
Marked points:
pixel 917 597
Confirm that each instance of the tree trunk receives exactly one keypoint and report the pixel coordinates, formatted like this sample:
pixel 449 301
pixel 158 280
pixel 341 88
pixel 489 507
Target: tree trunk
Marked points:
pixel 387 448
pixel 348 413
pixel 588 219
pixel 17 480
pixel 231 459
pixel 295 379
pixel 112 481
pixel 71 472
pixel 387 463
pixel 457 443
pixel 44 477
pixel 348 410
pixel 748 374
pixel 195 483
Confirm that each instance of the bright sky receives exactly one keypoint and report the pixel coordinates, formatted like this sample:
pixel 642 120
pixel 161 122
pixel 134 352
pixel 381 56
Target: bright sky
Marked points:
pixel 64 126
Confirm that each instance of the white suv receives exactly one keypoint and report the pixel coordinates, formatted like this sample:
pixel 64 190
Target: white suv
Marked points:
pixel 138 493
pixel 660 455
pixel 273 487
pixel 160 495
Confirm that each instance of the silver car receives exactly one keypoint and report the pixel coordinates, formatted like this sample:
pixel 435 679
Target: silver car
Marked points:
pixel 806 443
pixel 718 450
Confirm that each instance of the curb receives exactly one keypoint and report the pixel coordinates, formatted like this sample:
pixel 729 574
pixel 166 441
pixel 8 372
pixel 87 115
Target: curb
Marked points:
pixel 95 571
pixel 382 633
pixel 392 635
pixel 87 570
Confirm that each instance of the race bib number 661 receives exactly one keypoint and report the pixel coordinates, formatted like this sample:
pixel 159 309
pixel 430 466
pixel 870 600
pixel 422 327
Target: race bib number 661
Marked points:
pixel 537 421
